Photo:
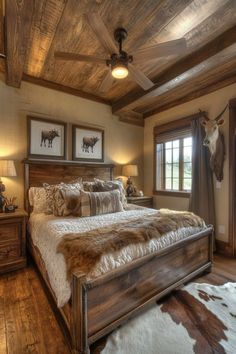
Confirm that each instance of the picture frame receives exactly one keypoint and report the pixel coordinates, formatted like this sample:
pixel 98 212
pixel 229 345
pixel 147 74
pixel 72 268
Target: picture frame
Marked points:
pixel 47 138
pixel 87 144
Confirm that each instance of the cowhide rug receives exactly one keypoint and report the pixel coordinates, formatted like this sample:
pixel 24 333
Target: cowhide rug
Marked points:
pixel 199 318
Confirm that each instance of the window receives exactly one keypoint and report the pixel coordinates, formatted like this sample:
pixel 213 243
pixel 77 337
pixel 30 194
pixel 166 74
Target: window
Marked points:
pixel 174 165
pixel 173 155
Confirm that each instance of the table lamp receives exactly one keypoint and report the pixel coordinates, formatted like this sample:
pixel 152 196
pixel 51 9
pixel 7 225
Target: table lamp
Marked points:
pixel 130 171
pixel 7 169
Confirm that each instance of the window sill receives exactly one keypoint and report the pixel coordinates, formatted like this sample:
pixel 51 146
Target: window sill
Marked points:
pixel 179 194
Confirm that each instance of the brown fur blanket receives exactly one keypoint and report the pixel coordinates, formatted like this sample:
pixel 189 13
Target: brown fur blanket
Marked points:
pixel 83 250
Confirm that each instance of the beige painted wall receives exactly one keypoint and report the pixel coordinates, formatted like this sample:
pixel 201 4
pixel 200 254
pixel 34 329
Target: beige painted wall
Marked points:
pixel 123 142
pixel 213 104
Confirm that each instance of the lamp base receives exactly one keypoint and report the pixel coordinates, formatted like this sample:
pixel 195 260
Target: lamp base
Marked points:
pixel 129 188
pixel 2 203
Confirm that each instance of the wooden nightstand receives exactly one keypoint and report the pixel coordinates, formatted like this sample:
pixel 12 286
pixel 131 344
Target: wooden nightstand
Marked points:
pixel 12 240
pixel 141 201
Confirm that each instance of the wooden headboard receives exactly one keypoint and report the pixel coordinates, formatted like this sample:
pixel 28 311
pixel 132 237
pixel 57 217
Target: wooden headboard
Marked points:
pixel 38 172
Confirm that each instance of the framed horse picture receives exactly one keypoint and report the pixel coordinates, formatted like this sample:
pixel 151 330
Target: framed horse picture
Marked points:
pixel 46 138
pixel 88 144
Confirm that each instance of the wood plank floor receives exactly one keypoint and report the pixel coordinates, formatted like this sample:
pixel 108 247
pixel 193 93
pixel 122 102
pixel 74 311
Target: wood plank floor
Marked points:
pixel 27 322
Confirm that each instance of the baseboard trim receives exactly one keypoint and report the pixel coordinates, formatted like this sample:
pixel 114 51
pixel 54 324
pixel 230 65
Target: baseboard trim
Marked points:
pixel 224 248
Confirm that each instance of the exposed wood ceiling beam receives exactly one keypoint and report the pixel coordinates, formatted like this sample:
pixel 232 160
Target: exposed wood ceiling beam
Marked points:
pixel 2 49
pixel 47 16
pixel 131 117
pixel 18 22
pixel 202 80
pixel 179 72
pixel 230 79
pixel 62 88
pixel 175 86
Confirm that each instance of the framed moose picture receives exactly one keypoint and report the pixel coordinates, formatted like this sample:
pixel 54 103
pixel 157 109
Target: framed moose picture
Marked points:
pixel 88 144
pixel 46 138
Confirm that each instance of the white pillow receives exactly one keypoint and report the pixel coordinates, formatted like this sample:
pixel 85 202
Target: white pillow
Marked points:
pixel 37 199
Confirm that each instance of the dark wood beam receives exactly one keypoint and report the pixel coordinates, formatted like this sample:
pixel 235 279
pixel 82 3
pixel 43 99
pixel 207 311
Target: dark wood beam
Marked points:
pixel 205 79
pixel 18 17
pixel 62 88
pixel 2 48
pixel 2 66
pixel 131 117
pixel 177 72
pixel 199 76
pixel 226 81
pixel 47 16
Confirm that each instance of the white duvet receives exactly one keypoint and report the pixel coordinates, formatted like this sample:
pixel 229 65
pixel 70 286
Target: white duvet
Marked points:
pixel 48 230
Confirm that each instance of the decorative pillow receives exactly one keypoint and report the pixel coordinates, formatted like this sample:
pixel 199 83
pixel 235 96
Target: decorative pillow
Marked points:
pixel 88 186
pixel 104 186
pixel 97 203
pixel 51 190
pixel 67 201
pixel 37 199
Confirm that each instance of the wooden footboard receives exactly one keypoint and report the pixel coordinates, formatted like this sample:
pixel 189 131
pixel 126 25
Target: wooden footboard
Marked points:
pixel 100 305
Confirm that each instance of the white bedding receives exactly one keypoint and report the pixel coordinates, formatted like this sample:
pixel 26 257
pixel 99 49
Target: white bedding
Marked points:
pixel 48 230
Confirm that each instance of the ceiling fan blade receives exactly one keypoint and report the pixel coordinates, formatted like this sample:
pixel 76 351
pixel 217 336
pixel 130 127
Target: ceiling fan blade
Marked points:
pixel 79 57
pixel 101 32
pixel 107 83
pixel 140 77
pixel 160 50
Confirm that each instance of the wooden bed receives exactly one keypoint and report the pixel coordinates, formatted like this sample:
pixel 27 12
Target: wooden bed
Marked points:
pixel 98 306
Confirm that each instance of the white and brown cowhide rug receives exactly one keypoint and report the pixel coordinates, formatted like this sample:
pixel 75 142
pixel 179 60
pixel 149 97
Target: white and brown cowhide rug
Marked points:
pixel 199 319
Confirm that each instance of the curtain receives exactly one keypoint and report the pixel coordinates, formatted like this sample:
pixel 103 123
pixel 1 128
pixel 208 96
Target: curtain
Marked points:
pixel 202 200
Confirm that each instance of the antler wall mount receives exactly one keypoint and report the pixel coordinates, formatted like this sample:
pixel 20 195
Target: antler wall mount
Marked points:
pixel 214 140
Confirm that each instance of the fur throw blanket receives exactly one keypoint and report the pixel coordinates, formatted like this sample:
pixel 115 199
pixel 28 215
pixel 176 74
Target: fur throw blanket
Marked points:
pixel 83 250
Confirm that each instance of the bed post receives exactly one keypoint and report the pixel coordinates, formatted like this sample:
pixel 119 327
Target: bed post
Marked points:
pixel 211 250
pixel 79 315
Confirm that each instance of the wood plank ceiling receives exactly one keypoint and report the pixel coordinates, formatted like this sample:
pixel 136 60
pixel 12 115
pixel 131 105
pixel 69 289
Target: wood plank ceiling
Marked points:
pixel 35 29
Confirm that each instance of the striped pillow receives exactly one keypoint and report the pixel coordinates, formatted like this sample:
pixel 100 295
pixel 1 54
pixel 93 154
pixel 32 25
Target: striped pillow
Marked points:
pixel 105 186
pixel 97 203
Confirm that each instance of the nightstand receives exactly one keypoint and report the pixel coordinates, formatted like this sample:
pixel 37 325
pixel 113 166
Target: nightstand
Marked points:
pixel 141 201
pixel 12 240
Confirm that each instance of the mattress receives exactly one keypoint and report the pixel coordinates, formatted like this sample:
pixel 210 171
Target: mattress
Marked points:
pixel 47 231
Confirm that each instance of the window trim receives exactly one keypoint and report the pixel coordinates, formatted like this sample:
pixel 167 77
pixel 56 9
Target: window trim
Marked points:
pixel 172 128
pixel 172 193
pixel 179 137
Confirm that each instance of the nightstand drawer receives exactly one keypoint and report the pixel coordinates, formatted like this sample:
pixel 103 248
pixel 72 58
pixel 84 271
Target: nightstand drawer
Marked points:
pixel 141 201
pixel 9 252
pixel 145 203
pixel 9 232
pixel 12 241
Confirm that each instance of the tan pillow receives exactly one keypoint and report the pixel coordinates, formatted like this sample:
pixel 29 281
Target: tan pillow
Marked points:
pixel 37 199
pixel 97 203
pixel 52 189
pixel 67 201
pixel 104 186
pixel 88 186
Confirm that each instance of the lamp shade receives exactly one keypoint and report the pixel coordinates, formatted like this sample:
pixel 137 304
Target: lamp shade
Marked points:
pixel 7 168
pixel 130 170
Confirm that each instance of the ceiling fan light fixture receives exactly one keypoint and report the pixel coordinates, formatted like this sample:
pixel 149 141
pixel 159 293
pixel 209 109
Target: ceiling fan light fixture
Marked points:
pixel 119 71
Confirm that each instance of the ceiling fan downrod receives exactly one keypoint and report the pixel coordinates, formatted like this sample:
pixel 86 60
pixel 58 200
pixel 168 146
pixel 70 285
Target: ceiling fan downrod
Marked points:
pixel 120 34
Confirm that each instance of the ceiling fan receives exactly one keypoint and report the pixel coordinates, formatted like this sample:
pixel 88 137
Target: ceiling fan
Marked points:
pixel 120 63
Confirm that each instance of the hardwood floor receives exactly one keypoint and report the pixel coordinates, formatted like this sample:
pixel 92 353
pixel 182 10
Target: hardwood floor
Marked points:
pixel 27 322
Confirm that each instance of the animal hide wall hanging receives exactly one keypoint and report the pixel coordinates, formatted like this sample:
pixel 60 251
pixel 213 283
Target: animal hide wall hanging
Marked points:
pixel 214 140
